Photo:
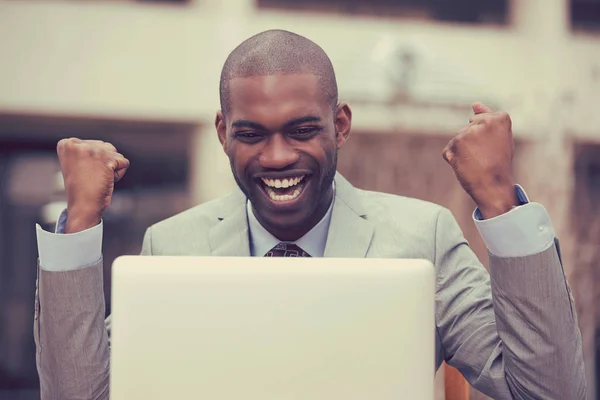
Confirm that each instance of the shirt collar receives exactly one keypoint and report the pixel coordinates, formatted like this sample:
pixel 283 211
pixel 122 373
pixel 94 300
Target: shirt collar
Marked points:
pixel 313 242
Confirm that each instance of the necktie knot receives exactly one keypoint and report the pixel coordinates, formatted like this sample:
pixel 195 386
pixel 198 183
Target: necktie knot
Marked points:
pixel 287 250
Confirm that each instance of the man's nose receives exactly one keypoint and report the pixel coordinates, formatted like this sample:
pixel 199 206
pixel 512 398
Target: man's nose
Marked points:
pixel 277 153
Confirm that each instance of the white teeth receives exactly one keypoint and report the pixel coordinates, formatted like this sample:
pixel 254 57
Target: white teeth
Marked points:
pixel 283 183
pixel 283 197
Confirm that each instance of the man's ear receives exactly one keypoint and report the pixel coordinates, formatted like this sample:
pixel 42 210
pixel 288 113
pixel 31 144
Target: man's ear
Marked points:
pixel 221 129
pixel 343 123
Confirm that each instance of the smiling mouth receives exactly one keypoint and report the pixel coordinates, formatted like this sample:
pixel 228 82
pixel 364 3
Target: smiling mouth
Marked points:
pixel 283 190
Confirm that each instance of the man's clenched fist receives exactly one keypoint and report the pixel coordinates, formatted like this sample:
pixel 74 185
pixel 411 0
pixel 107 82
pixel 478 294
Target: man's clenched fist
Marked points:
pixel 481 157
pixel 90 169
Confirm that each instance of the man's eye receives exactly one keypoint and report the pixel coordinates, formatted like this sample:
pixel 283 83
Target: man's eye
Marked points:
pixel 306 131
pixel 248 136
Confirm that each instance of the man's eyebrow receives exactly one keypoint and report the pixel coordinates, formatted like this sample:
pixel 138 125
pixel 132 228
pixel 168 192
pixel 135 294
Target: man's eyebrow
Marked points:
pixel 242 123
pixel 302 120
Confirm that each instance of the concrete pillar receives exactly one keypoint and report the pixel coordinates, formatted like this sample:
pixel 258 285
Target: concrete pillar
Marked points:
pixel 211 175
pixel 543 25
pixel 548 165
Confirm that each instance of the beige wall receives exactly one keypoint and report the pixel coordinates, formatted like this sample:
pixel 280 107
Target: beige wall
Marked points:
pixel 150 61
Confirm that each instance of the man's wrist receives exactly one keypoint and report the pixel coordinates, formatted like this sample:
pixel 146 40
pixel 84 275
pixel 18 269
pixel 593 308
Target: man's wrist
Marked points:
pixel 495 201
pixel 80 220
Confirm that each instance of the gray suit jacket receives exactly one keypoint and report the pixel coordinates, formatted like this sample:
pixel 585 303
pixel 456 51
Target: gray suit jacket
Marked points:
pixel 512 336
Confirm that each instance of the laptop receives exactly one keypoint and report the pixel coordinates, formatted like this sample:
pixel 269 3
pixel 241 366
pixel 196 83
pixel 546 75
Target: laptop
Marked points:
pixel 257 328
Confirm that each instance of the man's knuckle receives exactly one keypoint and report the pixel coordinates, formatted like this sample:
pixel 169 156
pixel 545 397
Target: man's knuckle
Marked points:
pixel 504 116
pixel 485 120
pixel 459 139
pixel 111 163
pixel 66 145
pixel 60 146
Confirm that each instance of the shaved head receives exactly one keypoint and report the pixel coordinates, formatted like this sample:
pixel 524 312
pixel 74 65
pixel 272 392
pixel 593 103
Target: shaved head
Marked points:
pixel 276 52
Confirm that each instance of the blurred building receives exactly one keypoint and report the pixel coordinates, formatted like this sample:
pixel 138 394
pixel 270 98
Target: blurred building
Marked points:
pixel 144 75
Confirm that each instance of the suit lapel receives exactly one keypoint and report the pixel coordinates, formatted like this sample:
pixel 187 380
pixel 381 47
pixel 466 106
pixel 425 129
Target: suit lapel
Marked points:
pixel 229 237
pixel 350 233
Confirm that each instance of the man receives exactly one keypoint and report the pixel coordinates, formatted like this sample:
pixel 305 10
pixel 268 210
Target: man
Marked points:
pixel 281 126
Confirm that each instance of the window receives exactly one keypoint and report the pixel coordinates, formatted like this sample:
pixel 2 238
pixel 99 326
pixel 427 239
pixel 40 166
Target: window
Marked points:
pixel 458 11
pixel 154 188
pixel 585 15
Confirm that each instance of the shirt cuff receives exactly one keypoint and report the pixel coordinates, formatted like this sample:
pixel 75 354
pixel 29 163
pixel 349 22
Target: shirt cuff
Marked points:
pixel 68 252
pixel 523 231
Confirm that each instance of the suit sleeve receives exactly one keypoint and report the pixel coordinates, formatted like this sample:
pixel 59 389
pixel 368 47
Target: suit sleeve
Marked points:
pixel 514 336
pixel 72 352
pixel 71 334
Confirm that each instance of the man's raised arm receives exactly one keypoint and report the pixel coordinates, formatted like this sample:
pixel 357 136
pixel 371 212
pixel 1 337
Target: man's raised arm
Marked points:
pixel 525 344
pixel 71 339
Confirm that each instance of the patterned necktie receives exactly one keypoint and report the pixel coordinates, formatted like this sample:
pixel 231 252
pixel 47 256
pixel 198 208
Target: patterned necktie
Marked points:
pixel 286 250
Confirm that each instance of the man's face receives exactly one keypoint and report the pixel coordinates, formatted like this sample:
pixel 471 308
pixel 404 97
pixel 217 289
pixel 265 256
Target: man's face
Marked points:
pixel 282 137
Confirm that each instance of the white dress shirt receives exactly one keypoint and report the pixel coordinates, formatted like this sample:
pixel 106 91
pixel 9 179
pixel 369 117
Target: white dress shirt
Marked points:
pixel 524 230
pixel 261 240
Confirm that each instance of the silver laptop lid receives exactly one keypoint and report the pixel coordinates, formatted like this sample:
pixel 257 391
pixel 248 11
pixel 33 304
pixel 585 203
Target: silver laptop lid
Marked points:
pixel 272 328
